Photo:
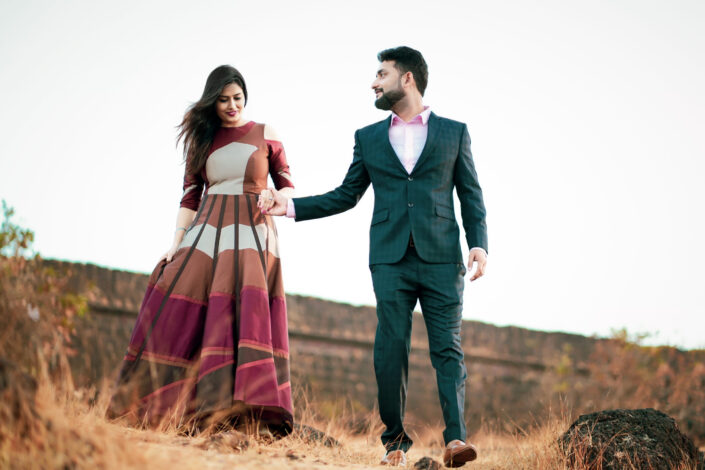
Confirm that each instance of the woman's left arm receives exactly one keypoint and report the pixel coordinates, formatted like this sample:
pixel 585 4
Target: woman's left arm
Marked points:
pixel 278 169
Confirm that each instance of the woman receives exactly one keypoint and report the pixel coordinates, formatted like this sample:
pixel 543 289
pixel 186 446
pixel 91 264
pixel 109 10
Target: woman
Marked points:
pixel 211 341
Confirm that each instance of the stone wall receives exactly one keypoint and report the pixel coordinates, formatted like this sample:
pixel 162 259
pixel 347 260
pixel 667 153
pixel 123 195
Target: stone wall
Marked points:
pixel 511 371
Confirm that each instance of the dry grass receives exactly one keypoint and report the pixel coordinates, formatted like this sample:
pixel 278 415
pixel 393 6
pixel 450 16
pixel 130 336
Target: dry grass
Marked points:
pixel 67 432
pixel 534 448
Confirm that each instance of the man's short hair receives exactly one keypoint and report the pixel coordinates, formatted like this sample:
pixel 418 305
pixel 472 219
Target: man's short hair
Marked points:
pixel 405 60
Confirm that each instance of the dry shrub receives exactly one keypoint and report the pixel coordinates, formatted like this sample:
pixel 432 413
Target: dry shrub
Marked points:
pixel 37 310
pixel 37 313
pixel 63 434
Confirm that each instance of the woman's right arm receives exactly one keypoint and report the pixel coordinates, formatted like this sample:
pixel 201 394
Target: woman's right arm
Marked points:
pixel 184 219
pixel 190 200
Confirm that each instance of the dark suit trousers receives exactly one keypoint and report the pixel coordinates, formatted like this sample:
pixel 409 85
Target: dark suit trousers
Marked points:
pixel 439 289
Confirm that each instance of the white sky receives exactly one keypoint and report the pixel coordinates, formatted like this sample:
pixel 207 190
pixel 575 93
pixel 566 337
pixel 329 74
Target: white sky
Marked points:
pixel 586 120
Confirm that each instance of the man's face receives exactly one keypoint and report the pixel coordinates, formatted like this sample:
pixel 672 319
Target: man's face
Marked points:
pixel 387 86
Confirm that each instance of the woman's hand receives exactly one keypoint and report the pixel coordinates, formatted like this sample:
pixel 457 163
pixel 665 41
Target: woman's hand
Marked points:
pixel 169 255
pixel 184 219
pixel 265 201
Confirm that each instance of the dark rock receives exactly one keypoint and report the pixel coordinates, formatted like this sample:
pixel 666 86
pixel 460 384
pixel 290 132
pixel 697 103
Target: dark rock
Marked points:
pixel 232 439
pixel 310 434
pixel 427 463
pixel 636 439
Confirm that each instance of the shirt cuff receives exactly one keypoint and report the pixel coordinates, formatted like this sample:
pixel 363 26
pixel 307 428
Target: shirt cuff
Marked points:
pixel 474 248
pixel 290 210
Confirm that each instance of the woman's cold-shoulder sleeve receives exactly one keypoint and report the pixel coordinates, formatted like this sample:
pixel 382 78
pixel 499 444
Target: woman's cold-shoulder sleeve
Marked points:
pixel 193 189
pixel 278 167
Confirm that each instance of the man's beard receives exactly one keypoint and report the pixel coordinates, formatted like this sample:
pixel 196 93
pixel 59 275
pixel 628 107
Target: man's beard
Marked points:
pixel 389 99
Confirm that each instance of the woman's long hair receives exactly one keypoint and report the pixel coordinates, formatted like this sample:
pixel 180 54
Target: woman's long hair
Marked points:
pixel 201 121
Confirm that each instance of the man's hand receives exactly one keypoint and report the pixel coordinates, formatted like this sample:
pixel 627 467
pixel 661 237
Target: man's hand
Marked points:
pixel 280 203
pixel 477 255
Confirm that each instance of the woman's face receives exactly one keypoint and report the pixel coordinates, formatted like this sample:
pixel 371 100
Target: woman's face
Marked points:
pixel 229 106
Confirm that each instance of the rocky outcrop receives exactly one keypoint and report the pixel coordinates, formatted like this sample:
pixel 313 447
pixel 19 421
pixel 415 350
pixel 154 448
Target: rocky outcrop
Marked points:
pixel 644 439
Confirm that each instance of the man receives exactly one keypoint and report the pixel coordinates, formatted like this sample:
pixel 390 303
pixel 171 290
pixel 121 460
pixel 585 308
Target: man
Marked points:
pixel 413 159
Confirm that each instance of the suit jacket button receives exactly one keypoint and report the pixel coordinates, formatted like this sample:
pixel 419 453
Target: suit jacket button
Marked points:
pixel 411 178
pixel 411 204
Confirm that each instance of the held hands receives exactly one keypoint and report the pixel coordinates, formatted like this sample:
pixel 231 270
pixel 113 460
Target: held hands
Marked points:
pixel 477 255
pixel 272 202
pixel 265 201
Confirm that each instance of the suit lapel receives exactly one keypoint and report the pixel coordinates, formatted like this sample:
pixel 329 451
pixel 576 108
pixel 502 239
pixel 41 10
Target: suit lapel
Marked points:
pixel 431 139
pixel 382 138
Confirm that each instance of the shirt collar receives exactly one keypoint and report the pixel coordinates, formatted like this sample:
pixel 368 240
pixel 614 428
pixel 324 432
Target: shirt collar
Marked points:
pixel 423 116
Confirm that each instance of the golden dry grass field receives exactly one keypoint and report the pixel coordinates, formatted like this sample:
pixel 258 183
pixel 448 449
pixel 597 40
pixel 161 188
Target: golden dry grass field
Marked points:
pixel 68 433
pixel 60 430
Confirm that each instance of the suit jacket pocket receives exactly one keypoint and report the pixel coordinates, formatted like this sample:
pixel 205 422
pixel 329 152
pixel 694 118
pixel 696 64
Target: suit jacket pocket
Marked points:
pixel 380 216
pixel 445 212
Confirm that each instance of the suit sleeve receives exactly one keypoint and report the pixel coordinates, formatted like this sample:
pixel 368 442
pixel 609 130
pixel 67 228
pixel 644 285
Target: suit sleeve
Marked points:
pixel 342 198
pixel 472 206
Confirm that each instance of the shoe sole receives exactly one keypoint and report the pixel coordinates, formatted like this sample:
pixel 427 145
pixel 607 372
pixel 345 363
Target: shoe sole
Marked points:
pixel 461 458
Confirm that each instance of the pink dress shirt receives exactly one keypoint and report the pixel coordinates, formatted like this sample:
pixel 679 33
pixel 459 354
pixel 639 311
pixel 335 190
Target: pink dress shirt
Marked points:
pixel 409 138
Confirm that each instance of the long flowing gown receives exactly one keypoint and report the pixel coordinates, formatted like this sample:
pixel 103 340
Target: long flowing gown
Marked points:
pixel 211 335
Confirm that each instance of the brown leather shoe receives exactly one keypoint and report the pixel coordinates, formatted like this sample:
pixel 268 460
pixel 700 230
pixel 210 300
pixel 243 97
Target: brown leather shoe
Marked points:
pixel 395 458
pixel 458 453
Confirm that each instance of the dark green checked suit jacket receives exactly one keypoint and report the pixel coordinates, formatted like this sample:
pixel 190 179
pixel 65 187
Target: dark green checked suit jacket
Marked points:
pixel 419 204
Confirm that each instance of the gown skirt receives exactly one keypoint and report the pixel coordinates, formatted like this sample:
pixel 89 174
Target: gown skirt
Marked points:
pixel 211 338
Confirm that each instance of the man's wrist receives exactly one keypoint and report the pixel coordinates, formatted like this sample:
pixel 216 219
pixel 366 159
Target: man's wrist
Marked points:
pixel 290 209
pixel 480 249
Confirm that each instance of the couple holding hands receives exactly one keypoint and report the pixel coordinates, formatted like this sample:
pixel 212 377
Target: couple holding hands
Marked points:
pixel 210 344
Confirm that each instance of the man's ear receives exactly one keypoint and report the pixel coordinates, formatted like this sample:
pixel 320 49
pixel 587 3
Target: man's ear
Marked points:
pixel 408 79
